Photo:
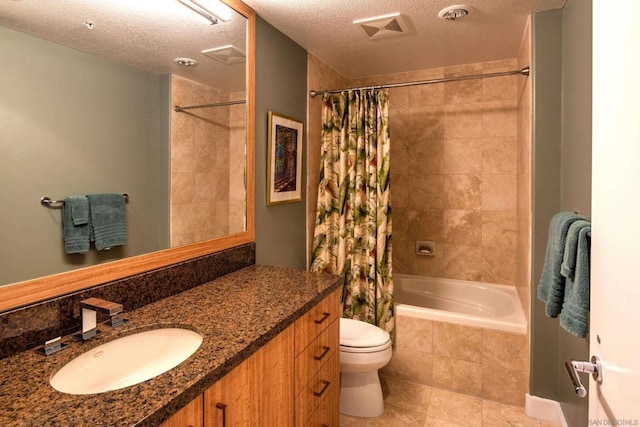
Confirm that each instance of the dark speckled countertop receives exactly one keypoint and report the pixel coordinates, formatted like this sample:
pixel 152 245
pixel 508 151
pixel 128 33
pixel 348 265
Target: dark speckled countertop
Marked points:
pixel 236 314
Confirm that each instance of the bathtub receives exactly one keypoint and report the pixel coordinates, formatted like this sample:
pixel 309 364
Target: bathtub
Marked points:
pixel 483 305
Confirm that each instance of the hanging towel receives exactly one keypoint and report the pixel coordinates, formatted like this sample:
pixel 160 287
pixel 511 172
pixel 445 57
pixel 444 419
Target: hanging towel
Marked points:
pixel 108 220
pixel 570 257
pixel 574 317
pixel 75 224
pixel 552 283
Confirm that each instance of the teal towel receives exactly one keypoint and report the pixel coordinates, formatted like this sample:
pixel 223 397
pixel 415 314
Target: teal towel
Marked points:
pixel 552 283
pixel 570 257
pixel 574 317
pixel 108 220
pixel 75 225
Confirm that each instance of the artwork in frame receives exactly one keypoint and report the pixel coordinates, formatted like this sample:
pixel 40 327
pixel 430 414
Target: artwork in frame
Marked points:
pixel 284 158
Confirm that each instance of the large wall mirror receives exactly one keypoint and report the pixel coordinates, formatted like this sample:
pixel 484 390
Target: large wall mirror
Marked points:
pixel 88 97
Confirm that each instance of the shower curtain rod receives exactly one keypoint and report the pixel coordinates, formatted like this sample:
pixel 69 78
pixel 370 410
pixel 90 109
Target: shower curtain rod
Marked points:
pixel 179 109
pixel 525 72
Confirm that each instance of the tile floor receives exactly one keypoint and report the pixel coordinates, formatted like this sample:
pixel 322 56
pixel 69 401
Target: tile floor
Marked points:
pixel 407 405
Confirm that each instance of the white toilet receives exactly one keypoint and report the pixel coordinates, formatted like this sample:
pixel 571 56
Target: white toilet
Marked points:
pixel 364 348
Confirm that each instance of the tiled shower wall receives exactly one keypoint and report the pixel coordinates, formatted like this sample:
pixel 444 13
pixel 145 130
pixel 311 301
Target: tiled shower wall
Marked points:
pixel 453 170
pixel 204 143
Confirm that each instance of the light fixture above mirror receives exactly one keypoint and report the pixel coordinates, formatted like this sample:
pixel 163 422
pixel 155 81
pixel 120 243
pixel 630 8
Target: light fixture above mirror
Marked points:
pixel 213 12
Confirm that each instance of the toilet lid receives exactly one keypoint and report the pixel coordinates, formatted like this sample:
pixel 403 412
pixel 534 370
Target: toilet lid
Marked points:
pixel 355 333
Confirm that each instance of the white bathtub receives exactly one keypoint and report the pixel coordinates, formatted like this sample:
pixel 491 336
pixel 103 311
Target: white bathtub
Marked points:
pixel 483 305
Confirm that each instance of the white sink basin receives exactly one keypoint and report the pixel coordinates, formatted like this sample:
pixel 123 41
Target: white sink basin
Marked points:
pixel 126 361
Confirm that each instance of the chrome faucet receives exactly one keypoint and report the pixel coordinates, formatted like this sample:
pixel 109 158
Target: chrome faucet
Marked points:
pixel 90 306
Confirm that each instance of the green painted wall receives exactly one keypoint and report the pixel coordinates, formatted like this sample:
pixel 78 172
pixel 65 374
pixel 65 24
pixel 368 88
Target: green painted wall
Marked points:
pixel 562 179
pixel 281 87
pixel 72 123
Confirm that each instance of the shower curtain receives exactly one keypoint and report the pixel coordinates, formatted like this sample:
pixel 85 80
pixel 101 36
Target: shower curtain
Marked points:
pixel 353 222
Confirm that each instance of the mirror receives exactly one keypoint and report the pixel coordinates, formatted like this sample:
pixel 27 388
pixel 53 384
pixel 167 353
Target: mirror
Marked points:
pixel 88 107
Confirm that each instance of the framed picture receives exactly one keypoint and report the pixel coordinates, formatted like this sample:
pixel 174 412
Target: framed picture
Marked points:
pixel 284 158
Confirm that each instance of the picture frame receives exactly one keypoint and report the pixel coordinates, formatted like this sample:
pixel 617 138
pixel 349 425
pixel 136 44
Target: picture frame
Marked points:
pixel 284 160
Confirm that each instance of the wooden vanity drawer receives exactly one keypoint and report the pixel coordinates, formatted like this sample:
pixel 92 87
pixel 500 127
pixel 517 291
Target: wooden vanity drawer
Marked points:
pixel 320 393
pixel 316 354
pixel 316 320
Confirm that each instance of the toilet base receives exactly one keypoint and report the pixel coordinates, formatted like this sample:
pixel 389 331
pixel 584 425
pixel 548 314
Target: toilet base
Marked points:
pixel 361 394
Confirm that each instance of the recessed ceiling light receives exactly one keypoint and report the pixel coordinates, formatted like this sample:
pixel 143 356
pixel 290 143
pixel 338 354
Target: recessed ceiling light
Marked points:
pixel 452 13
pixel 186 62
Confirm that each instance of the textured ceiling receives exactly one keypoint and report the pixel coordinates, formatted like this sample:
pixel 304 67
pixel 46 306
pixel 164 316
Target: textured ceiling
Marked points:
pixel 146 34
pixel 492 31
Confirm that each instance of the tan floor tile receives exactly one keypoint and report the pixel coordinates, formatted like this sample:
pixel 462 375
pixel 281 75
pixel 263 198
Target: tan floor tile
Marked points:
pixel 405 395
pixel 496 414
pixel 434 422
pixel 455 407
pixel 393 417
pixel 347 421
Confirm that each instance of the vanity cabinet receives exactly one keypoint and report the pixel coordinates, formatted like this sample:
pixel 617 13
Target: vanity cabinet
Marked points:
pixel 317 364
pixel 257 392
pixel 294 378
pixel 189 416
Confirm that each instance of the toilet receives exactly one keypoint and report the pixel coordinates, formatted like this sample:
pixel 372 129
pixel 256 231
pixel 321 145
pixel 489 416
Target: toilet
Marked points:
pixel 364 348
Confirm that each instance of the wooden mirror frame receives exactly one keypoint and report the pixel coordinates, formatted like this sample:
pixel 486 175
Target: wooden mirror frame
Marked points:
pixel 43 288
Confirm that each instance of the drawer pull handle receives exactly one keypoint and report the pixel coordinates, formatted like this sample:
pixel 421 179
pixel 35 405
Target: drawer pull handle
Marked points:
pixel 223 407
pixel 324 317
pixel 325 350
pixel 324 389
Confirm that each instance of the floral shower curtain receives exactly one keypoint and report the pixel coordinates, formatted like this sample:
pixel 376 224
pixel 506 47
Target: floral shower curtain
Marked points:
pixel 353 222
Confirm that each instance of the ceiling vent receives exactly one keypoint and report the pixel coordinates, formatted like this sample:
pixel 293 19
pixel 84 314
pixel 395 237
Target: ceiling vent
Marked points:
pixel 384 26
pixel 228 54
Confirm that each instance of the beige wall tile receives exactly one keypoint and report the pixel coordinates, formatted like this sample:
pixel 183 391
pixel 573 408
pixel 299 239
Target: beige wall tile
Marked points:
pixel 462 262
pixel 457 341
pixel 499 229
pixel 419 123
pixel 499 156
pixel 455 407
pixel 414 334
pixel 500 88
pixel 499 192
pixel 500 118
pixel 503 385
pixel 432 94
pixel 499 266
pixel 462 192
pixel 463 156
pixel 457 375
pixel 463 227
pixel 504 350
pixel 463 120
pixel 463 91
pixel 411 225
pixel 421 157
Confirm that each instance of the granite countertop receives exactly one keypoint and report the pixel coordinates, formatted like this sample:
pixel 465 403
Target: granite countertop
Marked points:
pixel 236 314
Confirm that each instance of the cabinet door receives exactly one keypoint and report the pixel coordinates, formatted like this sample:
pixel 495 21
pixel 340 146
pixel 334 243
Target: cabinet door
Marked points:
pixel 258 392
pixel 228 402
pixel 189 416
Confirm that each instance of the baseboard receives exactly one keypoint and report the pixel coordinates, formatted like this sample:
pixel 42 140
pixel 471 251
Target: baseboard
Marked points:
pixel 545 409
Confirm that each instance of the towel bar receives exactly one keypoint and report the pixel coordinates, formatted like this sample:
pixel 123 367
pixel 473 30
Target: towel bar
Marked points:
pixel 48 201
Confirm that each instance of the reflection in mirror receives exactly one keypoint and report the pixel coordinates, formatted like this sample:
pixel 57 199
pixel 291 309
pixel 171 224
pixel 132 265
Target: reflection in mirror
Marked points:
pixel 87 102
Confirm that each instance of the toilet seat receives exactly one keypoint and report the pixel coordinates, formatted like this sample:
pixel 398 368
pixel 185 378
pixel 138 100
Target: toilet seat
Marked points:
pixel 361 337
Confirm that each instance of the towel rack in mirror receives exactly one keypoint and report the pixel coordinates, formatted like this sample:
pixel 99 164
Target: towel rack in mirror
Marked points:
pixel 48 201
